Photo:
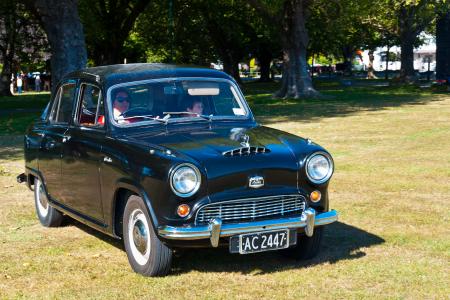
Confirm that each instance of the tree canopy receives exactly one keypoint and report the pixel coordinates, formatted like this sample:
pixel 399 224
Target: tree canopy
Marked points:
pixel 204 31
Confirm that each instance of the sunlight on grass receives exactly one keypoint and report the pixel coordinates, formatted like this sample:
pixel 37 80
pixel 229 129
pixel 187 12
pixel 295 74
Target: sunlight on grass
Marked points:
pixel 391 186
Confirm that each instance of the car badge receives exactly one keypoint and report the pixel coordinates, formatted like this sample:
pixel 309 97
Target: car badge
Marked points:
pixel 245 141
pixel 256 182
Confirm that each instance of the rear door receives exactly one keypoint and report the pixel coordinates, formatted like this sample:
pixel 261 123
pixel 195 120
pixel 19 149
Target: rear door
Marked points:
pixel 81 155
pixel 53 138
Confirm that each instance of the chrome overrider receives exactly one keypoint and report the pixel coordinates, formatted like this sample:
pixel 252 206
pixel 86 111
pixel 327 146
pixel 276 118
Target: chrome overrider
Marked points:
pixel 215 230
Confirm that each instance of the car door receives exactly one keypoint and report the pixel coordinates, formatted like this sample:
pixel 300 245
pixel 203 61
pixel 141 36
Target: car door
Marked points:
pixel 81 155
pixel 54 136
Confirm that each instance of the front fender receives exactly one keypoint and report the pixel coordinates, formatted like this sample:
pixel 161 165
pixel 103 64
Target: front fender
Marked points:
pixel 134 187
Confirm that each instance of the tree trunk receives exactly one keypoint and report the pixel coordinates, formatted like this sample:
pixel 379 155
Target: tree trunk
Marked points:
pixel 65 34
pixel 370 70
pixel 231 66
pixel 5 79
pixel 8 50
pixel 265 58
pixel 386 72
pixel 407 38
pixel 443 47
pixel 347 52
pixel 296 81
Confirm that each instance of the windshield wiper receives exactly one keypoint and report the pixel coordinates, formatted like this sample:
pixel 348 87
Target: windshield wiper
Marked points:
pixel 163 120
pixel 168 114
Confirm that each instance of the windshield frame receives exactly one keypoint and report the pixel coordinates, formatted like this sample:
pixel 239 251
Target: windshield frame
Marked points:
pixel 247 117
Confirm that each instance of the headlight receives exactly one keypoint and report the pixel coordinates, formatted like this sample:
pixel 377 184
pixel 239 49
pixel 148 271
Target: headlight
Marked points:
pixel 319 167
pixel 185 180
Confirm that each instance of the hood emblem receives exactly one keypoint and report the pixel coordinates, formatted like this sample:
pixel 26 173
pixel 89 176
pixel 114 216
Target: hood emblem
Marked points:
pixel 256 182
pixel 245 141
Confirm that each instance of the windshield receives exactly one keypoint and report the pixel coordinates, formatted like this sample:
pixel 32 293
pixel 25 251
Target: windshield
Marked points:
pixel 176 99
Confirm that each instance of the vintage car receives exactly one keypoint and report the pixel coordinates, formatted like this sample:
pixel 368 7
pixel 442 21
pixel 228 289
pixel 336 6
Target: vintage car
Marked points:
pixel 168 157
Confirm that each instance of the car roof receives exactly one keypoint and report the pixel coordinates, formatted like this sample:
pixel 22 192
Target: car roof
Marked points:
pixel 114 74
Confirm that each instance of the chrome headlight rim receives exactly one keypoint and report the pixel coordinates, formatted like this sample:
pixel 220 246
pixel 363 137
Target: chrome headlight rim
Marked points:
pixel 197 174
pixel 330 170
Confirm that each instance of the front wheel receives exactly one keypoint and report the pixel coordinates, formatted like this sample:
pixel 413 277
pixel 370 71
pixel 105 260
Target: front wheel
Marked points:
pixel 307 247
pixel 48 216
pixel 146 254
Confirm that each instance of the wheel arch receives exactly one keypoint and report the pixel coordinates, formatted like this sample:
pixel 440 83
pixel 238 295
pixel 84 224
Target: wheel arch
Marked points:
pixel 124 189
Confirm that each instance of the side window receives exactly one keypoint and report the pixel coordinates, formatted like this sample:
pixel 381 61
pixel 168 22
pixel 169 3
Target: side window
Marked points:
pixel 90 109
pixel 62 109
pixel 55 105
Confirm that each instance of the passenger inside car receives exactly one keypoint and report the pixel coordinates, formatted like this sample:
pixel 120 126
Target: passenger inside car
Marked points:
pixel 195 106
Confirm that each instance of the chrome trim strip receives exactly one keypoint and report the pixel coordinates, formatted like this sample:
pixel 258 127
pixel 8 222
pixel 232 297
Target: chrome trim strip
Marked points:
pixel 215 230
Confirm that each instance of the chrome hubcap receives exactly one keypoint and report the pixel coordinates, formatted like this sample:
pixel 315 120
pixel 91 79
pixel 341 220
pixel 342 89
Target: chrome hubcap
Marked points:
pixel 139 236
pixel 42 202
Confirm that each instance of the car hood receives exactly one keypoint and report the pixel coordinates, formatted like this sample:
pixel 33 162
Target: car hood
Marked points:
pixel 207 146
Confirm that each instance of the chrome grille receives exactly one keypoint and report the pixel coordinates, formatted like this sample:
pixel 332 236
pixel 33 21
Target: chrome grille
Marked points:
pixel 246 151
pixel 251 209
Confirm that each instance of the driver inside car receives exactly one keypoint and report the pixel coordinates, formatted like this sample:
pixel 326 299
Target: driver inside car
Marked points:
pixel 121 104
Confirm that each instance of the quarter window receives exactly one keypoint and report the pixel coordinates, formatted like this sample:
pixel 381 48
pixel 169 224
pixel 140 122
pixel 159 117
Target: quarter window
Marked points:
pixel 62 110
pixel 91 110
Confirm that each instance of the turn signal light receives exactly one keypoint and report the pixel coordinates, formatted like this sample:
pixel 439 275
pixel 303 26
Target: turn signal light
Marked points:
pixel 315 196
pixel 183 210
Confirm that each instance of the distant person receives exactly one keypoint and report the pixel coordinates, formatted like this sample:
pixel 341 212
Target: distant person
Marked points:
pixel 11 85
pixel 37 83
pixel 47 82
pixel 19 83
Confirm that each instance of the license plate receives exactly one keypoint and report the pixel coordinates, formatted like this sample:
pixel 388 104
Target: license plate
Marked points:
pixel 263 241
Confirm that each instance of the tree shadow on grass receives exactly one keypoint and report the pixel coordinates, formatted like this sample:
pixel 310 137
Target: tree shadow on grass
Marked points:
pixel 341 242
pixel 11 147
pixel 340 102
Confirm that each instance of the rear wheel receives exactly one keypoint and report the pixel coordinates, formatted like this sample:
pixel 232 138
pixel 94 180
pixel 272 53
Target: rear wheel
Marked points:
pixel 48 216
pixel 307 247
pixel 146 254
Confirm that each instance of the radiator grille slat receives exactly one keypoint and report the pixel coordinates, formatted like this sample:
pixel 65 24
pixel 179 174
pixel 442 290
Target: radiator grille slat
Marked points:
pixel 251 209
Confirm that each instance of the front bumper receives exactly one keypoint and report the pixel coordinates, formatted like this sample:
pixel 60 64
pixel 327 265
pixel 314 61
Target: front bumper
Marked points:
pixel 215 230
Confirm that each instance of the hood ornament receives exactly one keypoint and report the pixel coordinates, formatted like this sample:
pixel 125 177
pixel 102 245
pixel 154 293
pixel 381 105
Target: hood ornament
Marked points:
pixel 245 141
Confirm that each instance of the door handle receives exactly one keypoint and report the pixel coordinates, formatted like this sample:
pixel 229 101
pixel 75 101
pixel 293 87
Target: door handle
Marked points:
pixel 50 145
pixel 66 138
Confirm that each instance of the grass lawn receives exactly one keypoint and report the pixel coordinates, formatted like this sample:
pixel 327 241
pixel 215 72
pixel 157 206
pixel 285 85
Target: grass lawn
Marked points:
pixel 391 148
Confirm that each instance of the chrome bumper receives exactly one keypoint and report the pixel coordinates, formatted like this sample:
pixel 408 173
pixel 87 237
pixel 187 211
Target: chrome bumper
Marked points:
pixel 215 230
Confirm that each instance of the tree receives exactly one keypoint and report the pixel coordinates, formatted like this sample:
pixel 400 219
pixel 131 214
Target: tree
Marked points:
pixel 61 22
pixel 176 34
pixel 8 30
pixel 229 30
pixel 108 25
pixel 292 15
pixel 413 17
pixel 22 42
pixel 200 32
pixel 443 46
